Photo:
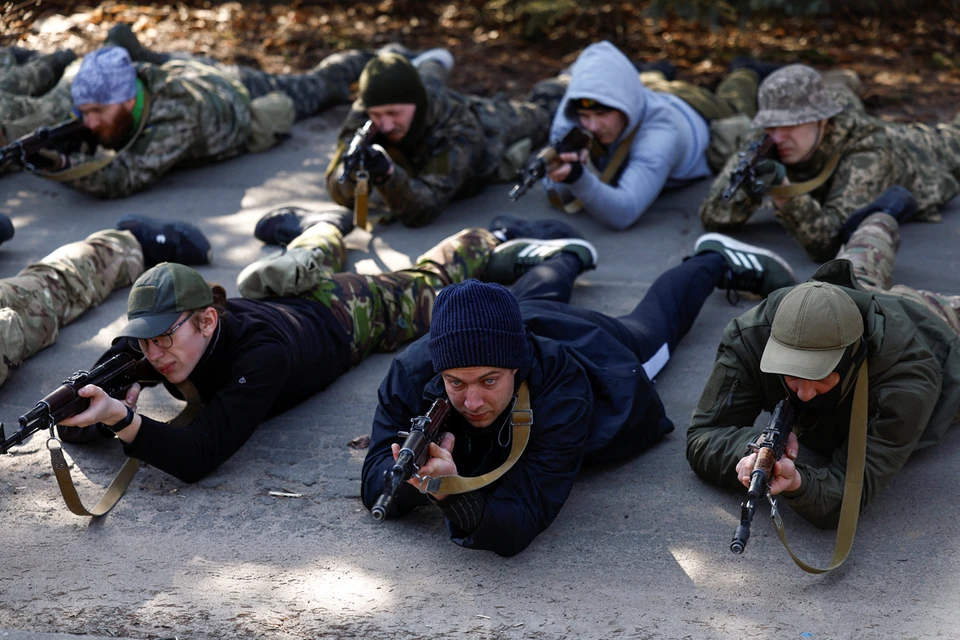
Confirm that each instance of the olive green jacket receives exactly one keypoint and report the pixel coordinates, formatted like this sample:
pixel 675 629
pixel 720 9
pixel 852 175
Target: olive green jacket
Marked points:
pixel 914 395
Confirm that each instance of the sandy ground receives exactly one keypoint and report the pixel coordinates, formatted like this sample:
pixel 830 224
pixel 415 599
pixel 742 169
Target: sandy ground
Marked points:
pixel 639 551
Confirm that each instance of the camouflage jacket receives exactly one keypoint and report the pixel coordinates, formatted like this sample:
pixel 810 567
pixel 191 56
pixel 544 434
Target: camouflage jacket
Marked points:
pixel 458 153
pixel 874 155
pixel 195 115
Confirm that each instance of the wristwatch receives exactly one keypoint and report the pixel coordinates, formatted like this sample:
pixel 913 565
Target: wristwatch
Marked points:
pixel 123 424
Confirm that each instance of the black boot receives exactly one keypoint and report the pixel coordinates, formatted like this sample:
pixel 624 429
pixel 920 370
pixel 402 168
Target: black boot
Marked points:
pixel 663 66
pixel 163 241
pixel 896 200
pixel 509 227
pixel 282 225
pixel 122 35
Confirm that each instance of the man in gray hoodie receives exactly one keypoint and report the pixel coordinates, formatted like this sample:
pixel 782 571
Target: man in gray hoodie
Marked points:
pixel 664 126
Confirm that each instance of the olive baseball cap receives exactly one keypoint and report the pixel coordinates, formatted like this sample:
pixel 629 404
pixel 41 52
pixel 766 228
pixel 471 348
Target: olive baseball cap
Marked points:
pixel 160 295
pixel 812 328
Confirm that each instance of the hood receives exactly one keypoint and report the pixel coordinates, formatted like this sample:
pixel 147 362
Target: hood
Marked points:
pixel 603 73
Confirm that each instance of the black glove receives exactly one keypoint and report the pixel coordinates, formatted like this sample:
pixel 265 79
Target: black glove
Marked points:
pixel 576 170
pixel 768 173
pixel 48 160
pixel 378 164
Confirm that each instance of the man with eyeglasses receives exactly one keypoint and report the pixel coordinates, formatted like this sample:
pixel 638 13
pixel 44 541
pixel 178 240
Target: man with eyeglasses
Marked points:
pixel 299 326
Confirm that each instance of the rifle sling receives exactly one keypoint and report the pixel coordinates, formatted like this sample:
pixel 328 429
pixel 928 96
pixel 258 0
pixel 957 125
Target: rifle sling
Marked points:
pixel 129 469
pixel 612 170
pixel 94 165
pixel 801 188
pixel 521 421
pixel 853 484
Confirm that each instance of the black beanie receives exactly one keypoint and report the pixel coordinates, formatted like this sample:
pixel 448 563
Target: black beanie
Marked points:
pixel 477 324
pixel 391 79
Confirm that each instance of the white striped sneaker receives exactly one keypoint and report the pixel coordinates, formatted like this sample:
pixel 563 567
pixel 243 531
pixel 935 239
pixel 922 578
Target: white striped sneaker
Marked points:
pixel 750 269
pixel 512 259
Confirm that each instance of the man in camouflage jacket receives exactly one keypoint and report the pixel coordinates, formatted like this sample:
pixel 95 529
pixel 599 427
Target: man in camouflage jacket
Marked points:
pixel 434 144
pixel 149 118
pixel 812 124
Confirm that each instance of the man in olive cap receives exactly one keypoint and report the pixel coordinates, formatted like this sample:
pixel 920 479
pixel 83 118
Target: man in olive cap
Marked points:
pixel 830 159
pixel 433 144
pixel 808 343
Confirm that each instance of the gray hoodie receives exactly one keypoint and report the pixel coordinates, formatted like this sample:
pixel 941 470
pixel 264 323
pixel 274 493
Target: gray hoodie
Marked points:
pixel 668 150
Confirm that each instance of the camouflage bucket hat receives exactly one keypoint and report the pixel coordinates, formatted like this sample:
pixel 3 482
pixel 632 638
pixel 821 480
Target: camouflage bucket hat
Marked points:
pixel 160 295
pixel 813 326
pixel 793 95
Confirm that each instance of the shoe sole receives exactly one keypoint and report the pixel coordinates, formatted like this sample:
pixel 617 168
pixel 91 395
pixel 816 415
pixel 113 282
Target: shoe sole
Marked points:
pixel 736 245
pixel 555 242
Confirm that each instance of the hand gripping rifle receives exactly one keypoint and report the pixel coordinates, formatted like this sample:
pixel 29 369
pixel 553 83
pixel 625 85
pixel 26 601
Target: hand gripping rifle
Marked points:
pixel 23 149
pixel 769 448
pixel 575 140
pixel 414 453
pixel 353 165
pixel 113 376
pixel 746 171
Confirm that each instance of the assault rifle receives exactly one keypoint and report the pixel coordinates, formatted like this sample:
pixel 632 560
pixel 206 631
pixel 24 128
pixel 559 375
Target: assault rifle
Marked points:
pixel 575 140
pixel 769 448
pixel 746 171
pixel 414 453
pixel 113 376
pixel 356 154
pixel 24 149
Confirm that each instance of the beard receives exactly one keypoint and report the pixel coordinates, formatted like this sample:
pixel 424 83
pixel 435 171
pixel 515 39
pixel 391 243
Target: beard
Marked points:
pixel 119 132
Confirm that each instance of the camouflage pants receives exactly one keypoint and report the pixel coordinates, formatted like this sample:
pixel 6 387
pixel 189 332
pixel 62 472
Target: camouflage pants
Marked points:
pixel 379 312
pixel 873 251
pixel 736 93
pixel 324 87
pixel 33 78
pixel 20 115
pixel 55 291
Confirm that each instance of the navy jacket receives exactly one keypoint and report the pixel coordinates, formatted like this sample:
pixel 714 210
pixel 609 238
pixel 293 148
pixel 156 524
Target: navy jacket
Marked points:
pixel 591 400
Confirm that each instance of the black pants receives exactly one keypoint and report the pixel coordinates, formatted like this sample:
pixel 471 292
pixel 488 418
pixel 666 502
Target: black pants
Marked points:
pixel 657 324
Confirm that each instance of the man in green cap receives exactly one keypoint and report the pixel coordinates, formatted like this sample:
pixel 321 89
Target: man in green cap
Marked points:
pixel 300 325
pixel 433 144
pixel 808 343
pixel 830 158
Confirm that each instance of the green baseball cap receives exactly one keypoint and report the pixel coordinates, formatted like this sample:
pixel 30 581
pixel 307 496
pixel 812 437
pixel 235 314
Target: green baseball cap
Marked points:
pixel 160 295
pixel 812 328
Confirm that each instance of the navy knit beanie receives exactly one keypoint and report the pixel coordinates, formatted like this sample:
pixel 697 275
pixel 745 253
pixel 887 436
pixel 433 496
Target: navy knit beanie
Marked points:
pixel 477 324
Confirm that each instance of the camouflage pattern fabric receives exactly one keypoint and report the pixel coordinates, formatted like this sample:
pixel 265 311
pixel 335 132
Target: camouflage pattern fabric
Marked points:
pixel 736 93
pixel 794 94
pixel 873 251
pixel 461 150
pixel 33 78
pixel 324 87
pixel 55 291
pixel 379 312
pixel 874 155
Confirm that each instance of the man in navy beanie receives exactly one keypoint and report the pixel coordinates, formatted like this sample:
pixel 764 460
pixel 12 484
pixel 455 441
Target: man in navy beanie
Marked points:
pixel 588 377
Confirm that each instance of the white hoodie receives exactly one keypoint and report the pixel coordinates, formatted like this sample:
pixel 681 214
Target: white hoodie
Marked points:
pixel 668 150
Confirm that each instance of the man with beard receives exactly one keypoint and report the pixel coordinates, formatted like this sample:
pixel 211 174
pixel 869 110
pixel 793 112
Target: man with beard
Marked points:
pixel 831 158
pixel 808 343
pixel 149 119
pixel 434 144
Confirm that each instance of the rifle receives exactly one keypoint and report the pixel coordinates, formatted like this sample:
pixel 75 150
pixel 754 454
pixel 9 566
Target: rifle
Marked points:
pixel 575 140
pixel 113 376
pixel 413 454
pixel 769 448
pixel 746 170
pixel 22 149
pixel 353 159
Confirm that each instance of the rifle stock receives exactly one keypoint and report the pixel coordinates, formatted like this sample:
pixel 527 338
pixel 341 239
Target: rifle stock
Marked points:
pixel 575 140
pixel 770 448
pixel 414 453
pixel 114 376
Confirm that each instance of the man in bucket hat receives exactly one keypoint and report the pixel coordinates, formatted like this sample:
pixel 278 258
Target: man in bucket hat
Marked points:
pixel 808 343
pixel 831 159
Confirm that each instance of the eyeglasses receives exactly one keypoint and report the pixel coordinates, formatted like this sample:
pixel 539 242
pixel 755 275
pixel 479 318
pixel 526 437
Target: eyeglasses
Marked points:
pixel 163 341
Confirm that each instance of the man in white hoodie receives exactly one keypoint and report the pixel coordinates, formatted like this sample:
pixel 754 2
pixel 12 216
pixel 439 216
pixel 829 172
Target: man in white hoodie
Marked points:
pixel 664 127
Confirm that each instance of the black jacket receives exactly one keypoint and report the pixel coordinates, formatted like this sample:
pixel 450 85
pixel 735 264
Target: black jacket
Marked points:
pixel 591 400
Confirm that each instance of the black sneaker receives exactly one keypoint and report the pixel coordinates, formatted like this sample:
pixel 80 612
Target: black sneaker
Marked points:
pixel 750 270
pixel 509 227
pixel 122 35
pixel 6 228
pixel 896 200
pixel 665 67
pixel 164 241
pixel 512 259
pixel 282 225
pixel 399 49
pixel 762 69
